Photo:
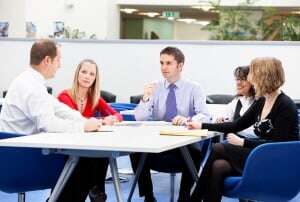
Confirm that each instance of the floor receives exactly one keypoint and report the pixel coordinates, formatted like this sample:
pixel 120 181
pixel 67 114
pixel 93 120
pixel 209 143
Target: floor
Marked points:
pixel 160 180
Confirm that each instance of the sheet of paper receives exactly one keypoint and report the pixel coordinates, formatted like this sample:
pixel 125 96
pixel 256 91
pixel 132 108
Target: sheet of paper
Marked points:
pixel 106 129
pixel 143 123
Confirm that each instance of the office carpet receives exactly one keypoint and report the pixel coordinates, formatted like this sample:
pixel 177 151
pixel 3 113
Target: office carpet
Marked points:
pixel 161 183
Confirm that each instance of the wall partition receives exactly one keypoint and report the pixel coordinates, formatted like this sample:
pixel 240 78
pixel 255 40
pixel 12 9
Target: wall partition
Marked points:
pixel 127 65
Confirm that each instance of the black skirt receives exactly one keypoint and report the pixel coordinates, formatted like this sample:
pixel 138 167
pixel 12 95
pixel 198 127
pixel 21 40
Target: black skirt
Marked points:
pixel 236 156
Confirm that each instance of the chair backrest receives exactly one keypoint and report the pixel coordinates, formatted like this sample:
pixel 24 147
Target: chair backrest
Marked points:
pixel 135 99
pixel 27 169
pixel 108 96
pixel 219 99
pixel 49 90
pixel 272 172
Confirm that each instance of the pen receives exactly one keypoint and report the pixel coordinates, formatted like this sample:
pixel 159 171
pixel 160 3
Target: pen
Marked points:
pixel 188 119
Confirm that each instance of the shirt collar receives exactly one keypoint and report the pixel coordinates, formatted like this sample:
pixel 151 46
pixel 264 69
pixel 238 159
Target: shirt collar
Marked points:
pixel 178 83
pixel 37 75
pixel 245 99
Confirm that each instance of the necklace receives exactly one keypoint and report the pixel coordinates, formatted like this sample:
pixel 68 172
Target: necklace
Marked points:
pixel 81 102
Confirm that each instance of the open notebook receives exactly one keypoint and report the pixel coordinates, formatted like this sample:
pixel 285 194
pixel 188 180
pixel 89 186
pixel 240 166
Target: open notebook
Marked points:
pixel 181 132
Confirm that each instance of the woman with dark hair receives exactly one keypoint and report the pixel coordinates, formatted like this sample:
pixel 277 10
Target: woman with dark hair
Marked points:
pixel 241 103
pixel 275 119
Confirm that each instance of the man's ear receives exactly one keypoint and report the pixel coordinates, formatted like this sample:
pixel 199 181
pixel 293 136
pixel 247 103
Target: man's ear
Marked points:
pixel 180 65
pixel 47 60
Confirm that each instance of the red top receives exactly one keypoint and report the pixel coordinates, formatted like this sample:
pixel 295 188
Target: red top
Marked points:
pixel 102 106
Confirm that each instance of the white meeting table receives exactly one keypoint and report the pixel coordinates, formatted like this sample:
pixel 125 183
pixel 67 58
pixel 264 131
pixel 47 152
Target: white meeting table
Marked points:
pixel 114 142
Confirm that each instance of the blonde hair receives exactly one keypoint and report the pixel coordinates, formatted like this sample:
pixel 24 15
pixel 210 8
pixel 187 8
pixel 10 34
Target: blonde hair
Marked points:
pixel 267 74
pixel 94 90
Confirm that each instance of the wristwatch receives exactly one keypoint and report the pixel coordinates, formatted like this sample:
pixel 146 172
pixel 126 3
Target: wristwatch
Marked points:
pixel 146 99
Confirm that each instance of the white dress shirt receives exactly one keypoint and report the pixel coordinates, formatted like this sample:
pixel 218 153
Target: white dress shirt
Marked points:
pixel 29 109
pixel 246 103
pixel 190 102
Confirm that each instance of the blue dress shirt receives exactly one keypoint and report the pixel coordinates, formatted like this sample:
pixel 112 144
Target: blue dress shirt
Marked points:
pixel 190 100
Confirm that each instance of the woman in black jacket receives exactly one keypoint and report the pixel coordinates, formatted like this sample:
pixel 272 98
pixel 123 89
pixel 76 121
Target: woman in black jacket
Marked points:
pixel 275 119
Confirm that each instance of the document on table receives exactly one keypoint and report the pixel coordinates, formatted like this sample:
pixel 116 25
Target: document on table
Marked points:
pixel 106 129
pixel 184 132
pixel 143 123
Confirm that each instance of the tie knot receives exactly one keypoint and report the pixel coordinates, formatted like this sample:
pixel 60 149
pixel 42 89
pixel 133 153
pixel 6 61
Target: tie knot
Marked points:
pixel 172 86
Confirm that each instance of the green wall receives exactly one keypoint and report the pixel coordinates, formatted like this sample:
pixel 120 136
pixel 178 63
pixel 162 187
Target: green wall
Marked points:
pixel 132 29
pixel 163 28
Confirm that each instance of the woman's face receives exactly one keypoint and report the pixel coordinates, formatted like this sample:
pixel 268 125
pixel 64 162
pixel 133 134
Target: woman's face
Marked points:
pixel 243 87
pixel 87 75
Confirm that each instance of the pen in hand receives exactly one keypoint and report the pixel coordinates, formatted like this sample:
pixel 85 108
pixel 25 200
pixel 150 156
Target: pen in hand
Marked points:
pixel 188 119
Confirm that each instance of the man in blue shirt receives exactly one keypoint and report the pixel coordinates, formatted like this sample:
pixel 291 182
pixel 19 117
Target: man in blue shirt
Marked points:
pixel 175 100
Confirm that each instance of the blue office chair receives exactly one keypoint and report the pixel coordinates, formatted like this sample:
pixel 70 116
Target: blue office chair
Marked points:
pixel 118 106
pixel 272 173
pixel 122 107
pixel 27 169
pixel 108 96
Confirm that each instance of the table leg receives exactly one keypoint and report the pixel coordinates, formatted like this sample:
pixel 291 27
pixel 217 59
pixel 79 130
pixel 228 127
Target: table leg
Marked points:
pixel 189 162
pixel 137 175
pixel 115 175
pixel 63 178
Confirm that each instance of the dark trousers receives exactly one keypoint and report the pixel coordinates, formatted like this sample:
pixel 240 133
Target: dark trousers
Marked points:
pixel 170 159
pixel 88 173
pixel 225 160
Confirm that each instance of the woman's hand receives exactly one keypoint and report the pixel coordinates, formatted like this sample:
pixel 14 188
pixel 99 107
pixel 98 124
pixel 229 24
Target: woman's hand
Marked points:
pixel 194 125
pixel 220 120
pixel 92 124
pixel 109 120
pixel 235 140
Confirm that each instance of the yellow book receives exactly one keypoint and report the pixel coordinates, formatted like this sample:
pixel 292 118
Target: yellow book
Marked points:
pixel 197 133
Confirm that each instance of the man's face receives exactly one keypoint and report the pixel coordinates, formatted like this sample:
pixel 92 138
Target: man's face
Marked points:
pixel 53 65
pixel 170 69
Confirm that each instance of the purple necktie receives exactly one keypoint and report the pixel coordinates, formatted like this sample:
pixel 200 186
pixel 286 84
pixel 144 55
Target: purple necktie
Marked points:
pixel 171 108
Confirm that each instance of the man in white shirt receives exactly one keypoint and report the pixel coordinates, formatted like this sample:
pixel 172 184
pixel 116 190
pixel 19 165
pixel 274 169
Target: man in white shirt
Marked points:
pixel 29 109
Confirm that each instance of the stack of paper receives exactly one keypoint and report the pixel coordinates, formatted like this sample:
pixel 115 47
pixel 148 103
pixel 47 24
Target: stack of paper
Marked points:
pixel 197 133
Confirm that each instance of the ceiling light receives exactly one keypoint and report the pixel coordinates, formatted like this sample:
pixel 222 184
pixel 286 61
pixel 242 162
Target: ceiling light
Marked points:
pixel 128 10
pixel 187 20
pixel 204 7
pixel 201 22
pixel 295 12
pixel 150 14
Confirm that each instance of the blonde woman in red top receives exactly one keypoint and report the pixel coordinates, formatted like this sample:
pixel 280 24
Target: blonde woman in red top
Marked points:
pixel 84 96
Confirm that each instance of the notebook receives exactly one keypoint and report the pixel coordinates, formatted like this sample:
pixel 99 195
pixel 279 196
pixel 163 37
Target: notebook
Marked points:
pixel 197 133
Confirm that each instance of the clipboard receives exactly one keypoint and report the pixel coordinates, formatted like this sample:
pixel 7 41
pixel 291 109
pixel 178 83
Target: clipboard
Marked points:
pixel 195 133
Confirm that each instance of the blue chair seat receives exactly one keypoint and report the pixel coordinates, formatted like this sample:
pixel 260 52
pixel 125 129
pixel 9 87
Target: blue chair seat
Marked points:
pixel 231 182
pixel 122 106
pixel 271 173
pixel 27 169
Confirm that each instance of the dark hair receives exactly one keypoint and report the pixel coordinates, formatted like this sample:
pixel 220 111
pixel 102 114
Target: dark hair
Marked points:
pixel 175 52
pixel 241 73
pixel 42 48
